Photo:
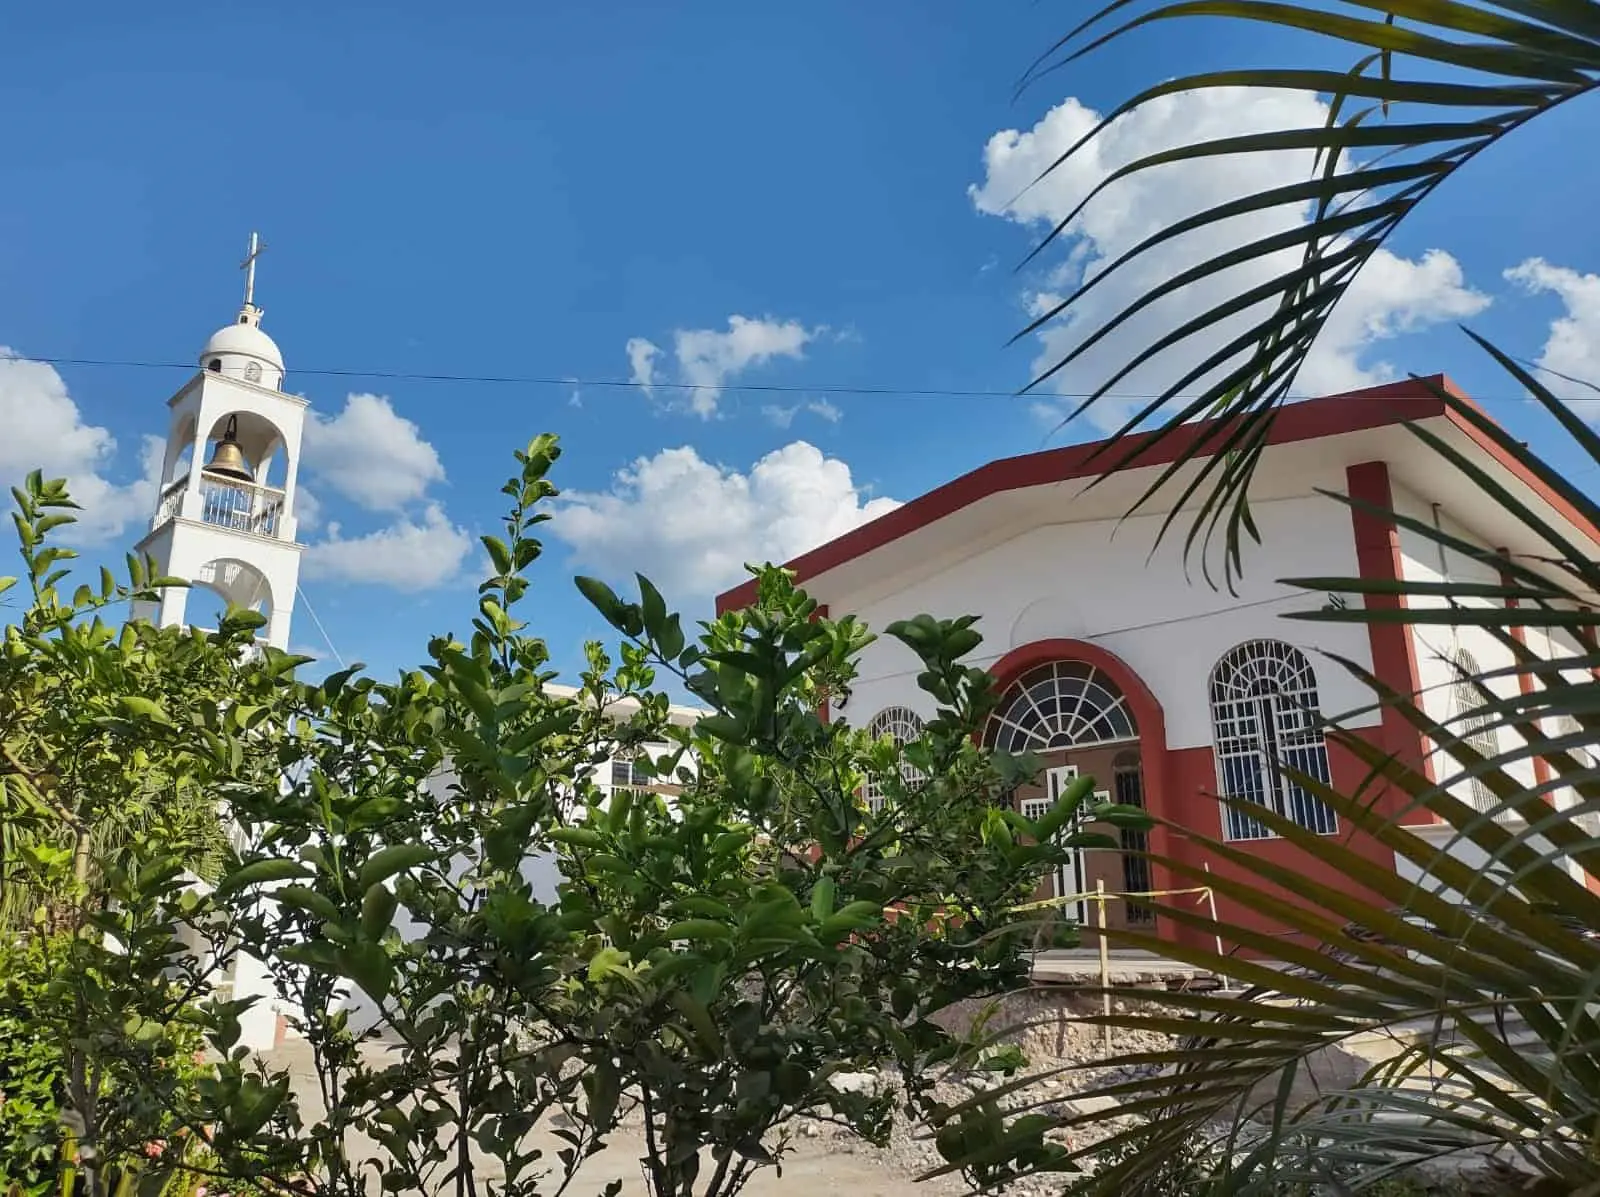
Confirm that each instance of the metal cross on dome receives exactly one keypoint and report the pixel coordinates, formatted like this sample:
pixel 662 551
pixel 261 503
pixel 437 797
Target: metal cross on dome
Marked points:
pixel 249 267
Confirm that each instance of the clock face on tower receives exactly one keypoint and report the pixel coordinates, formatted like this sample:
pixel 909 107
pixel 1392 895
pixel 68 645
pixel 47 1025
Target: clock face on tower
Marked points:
pixel 252 372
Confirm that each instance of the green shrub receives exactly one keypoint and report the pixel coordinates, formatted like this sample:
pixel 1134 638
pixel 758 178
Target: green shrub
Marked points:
pixel 143 1142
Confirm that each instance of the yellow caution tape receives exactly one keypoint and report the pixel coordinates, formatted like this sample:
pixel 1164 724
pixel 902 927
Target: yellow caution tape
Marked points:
pixel 1096 895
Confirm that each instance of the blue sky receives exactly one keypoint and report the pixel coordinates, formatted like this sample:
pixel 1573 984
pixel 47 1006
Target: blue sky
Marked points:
pixel 803 196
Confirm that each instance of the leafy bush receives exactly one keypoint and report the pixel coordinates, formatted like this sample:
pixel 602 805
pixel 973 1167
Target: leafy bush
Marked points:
pixel 715 962
pixel 32 1074
pixel 138 1140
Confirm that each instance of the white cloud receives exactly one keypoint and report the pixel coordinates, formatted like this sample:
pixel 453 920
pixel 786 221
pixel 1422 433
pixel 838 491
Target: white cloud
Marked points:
pixel 1573 346
pixel 642 355
pixel 708 359
pixel 307 510
pixel 44 430
pixel 408 555
pixel 371 455
pixel 690 526
pixel 781 416
pixel 1392 295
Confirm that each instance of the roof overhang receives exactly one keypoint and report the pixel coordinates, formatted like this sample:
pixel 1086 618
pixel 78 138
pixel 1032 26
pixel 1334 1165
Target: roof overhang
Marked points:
pixel 1071 484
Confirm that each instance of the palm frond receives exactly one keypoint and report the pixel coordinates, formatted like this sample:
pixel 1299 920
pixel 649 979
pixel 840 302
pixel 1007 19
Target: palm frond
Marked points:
pixel 1505 62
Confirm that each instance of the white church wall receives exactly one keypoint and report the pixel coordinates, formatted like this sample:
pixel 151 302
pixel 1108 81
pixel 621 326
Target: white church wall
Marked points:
pixel 1097 581
pixel 539 869
pixel 1438 646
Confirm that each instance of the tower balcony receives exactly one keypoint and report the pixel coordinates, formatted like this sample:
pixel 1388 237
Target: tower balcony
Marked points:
pixel 224 502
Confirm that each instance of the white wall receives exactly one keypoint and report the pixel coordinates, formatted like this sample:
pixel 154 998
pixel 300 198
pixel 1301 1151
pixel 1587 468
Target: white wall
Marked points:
pixel 1424 561
pixel 1097 581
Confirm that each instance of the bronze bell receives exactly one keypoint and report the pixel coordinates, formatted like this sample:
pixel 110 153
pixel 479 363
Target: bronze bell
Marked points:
pixel 227 458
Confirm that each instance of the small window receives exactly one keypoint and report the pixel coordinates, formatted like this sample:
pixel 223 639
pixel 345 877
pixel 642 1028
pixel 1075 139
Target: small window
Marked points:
pixel 215 365
pixel 627 772
pixel 244 319
pixel 901 725
pixel 252 372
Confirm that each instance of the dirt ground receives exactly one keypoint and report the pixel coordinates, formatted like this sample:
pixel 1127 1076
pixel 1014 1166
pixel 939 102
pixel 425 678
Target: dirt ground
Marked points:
pixel 818 1165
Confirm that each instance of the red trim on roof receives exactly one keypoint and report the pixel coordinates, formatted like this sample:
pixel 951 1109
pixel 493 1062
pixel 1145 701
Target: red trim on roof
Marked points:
pixel 1358 410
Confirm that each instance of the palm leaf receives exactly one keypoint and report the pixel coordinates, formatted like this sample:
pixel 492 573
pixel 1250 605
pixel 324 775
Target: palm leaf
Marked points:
pixel 1506 62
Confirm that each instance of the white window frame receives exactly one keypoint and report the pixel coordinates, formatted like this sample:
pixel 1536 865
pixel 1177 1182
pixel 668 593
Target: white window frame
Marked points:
pixel 1265 716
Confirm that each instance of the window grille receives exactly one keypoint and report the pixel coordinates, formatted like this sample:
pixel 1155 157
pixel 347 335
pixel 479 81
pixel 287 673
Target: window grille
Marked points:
pixel 1265 718
pixel 1065 704
pixel 902 725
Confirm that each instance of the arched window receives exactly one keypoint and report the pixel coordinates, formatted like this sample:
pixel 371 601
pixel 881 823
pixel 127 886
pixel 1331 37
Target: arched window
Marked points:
pixel 902 725
pixel 215 365
pixel 1265 717
pixel 1065 704
pixel 1475 729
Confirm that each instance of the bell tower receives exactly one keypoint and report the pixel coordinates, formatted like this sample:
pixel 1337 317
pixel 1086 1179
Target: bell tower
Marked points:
pixel 225 513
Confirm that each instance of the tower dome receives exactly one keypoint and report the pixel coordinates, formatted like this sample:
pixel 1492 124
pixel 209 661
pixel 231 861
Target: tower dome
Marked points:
pixel 242 350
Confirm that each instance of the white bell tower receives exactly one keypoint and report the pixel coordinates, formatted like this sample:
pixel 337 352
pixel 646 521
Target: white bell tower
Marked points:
pixel 225 515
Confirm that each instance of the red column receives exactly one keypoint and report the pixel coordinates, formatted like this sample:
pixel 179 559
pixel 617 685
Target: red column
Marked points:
pixel 1394 650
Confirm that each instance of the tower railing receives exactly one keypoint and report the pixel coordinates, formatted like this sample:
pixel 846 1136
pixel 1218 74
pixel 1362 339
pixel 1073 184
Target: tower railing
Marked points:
pixel 171 501
pixel 227 503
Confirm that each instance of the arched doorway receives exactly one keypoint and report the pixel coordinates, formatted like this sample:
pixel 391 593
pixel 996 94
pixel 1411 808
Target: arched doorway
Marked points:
pixel 1074 716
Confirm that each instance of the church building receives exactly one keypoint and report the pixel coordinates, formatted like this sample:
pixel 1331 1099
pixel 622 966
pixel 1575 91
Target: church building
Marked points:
pixel 1114 660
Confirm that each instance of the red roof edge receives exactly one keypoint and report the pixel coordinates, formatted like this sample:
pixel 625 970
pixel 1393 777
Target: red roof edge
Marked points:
pixel 1355 411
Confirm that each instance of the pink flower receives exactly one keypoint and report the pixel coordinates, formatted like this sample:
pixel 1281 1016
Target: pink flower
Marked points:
pixel 201 1192
pixel 154 1149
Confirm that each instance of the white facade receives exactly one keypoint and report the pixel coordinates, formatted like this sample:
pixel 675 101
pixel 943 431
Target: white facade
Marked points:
pixel 1189 684
pixel 1097 581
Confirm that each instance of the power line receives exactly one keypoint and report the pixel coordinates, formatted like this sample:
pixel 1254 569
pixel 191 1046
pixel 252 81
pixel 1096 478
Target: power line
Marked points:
pixel 636 385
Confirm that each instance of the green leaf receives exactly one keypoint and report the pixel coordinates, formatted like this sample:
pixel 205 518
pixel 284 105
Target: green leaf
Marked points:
pixel 822 899
pixel 386 862
pixel 261 872
pixel 603 1087
pixel 377 911
pixel 577 837
pixel 699 1019
pixel 852 917
pixel 698 930
pixel 256 1103
pixel 368 965
pixel 605 601
pixel 653 609
pixel 498 554
pixel 144 708
pixel 374 811
pixel 308 900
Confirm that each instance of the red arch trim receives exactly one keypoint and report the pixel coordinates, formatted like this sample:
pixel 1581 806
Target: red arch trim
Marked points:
pixel 1142 705
pixel 1147 714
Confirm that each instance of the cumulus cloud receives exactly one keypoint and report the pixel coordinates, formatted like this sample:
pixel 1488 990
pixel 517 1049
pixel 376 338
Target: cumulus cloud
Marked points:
pixel 707 359
pixel 44 430
pixel 690 525
pixel 371 455
pixel 1573 346
pixel 409 554
pixel 1392 295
